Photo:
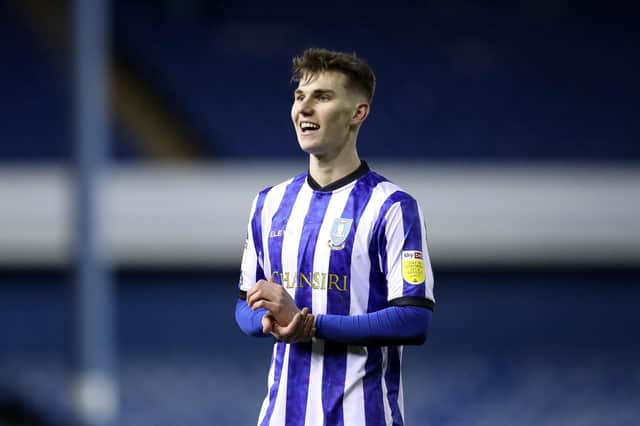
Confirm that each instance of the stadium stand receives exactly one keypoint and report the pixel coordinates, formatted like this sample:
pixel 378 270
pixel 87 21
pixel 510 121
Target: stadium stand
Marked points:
pixel 474 85
pixel 507 348
pixel 34 112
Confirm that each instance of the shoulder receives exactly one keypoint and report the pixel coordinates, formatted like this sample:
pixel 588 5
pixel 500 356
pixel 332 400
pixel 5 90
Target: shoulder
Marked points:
pixel 273 194
pixel 390 203
pixel 387 191
pixel 281 187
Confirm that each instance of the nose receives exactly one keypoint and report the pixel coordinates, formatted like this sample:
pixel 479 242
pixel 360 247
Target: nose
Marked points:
pixel 305 107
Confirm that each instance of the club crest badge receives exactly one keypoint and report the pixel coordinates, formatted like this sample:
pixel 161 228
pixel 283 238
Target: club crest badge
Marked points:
pixel 339 232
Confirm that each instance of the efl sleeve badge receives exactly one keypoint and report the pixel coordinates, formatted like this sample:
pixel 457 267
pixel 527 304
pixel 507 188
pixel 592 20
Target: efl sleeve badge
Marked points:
pixel 413 267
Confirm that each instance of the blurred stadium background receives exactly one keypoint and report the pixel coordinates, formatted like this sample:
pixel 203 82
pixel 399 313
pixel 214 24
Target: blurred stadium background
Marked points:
pixel 515 124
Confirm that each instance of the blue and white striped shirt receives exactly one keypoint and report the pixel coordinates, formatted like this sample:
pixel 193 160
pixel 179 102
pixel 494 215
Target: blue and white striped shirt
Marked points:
pixel 353 248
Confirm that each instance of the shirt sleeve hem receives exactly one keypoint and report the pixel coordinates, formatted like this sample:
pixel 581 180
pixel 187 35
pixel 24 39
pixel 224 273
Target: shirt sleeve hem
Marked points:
pixel 412 301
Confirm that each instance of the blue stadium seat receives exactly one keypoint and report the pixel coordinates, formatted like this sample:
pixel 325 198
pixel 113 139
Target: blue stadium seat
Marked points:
pixel 464 85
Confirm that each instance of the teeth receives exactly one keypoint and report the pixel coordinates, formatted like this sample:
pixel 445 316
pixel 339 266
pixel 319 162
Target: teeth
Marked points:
pixel 305 125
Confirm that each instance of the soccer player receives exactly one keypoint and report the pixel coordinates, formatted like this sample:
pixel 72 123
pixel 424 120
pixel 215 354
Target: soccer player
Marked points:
pixel 335 264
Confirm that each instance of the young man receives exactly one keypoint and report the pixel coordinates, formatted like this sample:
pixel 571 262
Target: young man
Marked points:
pixel 335 264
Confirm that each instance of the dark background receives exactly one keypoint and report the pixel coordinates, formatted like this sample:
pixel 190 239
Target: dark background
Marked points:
pixel 524 82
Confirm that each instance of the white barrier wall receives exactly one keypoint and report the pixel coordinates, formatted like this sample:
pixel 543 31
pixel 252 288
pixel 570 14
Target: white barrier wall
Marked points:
pixel 174 216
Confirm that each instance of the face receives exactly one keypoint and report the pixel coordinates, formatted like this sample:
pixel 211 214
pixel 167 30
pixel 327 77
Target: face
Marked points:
pixel 325 114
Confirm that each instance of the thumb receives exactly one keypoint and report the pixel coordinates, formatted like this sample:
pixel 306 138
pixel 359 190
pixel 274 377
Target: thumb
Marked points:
pixel 267 324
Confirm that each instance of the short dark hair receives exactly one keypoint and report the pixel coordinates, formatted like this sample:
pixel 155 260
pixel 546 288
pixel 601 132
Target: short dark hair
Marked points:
pixel 313 61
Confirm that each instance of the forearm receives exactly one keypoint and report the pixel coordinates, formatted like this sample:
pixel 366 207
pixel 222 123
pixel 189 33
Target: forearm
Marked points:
pixel 395 325
pixel 250 321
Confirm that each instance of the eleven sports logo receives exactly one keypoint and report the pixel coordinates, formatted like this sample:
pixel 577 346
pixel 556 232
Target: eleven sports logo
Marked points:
pixel 413 267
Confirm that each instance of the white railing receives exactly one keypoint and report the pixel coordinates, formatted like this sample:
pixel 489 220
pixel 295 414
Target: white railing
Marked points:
pixel 488 214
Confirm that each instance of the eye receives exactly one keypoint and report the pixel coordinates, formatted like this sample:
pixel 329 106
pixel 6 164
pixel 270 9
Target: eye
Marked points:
pixel 299 97
pixel 324 97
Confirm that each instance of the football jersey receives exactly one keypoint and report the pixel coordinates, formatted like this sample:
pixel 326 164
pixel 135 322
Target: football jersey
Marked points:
pixel 355 247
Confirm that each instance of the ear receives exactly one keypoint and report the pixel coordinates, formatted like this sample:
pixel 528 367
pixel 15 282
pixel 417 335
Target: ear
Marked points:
pixel 360 114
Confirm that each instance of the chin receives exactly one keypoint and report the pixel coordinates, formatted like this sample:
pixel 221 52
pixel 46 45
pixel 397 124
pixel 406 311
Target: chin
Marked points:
pixel 309 151
pixel 309 147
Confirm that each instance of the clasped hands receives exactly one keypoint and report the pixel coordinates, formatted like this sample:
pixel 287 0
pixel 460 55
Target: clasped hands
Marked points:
pixel 283 320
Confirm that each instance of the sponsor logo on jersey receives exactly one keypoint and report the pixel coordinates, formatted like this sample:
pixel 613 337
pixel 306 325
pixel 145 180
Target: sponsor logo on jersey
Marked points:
pixel 276 234
pixel 314 280
pixel 413 267
pixel 339 232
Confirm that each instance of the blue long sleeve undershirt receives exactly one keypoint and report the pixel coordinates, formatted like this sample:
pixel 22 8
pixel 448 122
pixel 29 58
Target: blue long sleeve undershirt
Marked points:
pixel 395 325
pixel 250 321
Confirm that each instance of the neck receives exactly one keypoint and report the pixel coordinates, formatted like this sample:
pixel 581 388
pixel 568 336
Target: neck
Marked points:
pixel 326 171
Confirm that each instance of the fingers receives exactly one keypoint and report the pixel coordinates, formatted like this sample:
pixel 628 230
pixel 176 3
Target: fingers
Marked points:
pixel 272 296
pixel 308 328
pixel 262 303
pixel 269 290
pixel 267 323
pixel 298 332
pixel 253 289
pixel 300 329
pixel 289 332
pixel 256 292
pixel 253 298
pixel 286 334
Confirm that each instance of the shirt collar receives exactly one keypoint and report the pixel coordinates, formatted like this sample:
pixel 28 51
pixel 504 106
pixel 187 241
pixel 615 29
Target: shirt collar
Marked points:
pixel 356 174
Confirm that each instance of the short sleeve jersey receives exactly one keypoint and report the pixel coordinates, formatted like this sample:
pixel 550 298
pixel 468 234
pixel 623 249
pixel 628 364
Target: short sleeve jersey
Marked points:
pixel 354 247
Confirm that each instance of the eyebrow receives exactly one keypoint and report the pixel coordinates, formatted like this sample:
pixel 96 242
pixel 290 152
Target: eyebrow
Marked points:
pixel 316 91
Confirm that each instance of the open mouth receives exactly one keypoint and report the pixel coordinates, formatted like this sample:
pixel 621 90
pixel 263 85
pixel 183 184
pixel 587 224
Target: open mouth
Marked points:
pixel 307 127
